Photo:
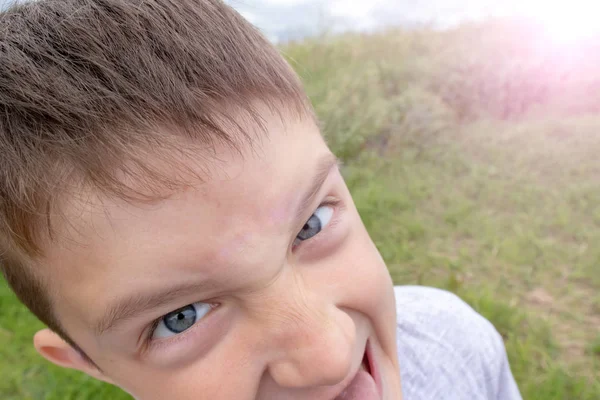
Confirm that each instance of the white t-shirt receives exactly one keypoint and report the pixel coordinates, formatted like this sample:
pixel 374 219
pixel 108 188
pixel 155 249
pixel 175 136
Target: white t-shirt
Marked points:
pixel 447 351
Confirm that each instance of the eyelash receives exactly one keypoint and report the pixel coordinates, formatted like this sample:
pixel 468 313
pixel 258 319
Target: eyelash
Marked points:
pixel 148 339
pixel 333 203
pixel 149 343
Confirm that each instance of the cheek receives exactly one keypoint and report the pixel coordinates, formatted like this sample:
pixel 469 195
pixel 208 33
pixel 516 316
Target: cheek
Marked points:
pixel 366 281
pixel 225 374
pixel 369 289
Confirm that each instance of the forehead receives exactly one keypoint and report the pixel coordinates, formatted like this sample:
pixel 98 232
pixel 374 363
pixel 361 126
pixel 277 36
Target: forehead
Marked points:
pixel 236 215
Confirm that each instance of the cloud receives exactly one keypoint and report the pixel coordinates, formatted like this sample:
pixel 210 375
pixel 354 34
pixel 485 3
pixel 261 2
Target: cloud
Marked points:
pixel 293 18
pixel 285 19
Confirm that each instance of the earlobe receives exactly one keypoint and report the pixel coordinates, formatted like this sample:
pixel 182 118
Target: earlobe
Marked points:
pixel 54 349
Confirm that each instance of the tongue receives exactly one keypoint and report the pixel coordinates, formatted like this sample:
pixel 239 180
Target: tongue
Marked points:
pixel 362 387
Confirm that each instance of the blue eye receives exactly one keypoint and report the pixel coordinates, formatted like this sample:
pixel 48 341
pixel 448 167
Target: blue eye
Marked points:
pixel 315 224
pixel 180 320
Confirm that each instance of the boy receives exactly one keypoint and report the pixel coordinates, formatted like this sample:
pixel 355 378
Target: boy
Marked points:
pixel 171 212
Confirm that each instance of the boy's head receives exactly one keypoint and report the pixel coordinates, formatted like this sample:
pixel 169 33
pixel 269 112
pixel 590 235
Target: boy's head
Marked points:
pixel 170 210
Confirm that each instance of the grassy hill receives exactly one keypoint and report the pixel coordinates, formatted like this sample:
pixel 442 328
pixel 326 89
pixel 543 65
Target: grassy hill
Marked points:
pixel 473 158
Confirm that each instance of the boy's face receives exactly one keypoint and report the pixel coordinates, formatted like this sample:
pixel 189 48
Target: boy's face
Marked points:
pixel 263 281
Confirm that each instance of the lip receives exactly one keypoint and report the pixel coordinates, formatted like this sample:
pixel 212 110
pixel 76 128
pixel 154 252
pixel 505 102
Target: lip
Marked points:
pixel 374 368
pixel 373 371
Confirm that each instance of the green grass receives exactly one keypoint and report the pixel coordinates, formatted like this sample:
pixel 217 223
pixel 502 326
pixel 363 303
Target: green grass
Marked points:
pixel 459 188
pixel 594 347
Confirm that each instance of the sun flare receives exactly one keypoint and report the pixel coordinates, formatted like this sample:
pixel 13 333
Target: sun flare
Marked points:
pixel 567 21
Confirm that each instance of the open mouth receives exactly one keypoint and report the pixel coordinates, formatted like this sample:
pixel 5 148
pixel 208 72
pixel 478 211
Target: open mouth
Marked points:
pixel 366 384
pixel 371 367
pixel 366 364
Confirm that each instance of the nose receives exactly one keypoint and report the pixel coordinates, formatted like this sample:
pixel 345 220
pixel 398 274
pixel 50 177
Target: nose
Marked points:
pixel 312 340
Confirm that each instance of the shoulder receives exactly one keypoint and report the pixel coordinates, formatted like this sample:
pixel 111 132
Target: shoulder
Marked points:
pixel 447 322
pixel 444 343
pixel 444 314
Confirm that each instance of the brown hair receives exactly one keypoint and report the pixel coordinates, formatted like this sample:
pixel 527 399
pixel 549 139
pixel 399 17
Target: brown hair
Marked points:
pixel 87 85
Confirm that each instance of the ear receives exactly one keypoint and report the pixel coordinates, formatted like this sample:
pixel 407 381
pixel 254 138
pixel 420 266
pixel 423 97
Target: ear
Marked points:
pixel 54 349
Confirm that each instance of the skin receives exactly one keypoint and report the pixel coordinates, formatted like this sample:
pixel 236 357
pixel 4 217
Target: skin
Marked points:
pixel 288 319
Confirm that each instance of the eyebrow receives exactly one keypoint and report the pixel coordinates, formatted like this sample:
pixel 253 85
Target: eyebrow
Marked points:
pixel 322 171
pixel 126 308
pixel 130 306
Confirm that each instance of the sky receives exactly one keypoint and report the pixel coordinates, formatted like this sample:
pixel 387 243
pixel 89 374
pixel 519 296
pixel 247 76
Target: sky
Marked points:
pixel 282 20
pixel 285 19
